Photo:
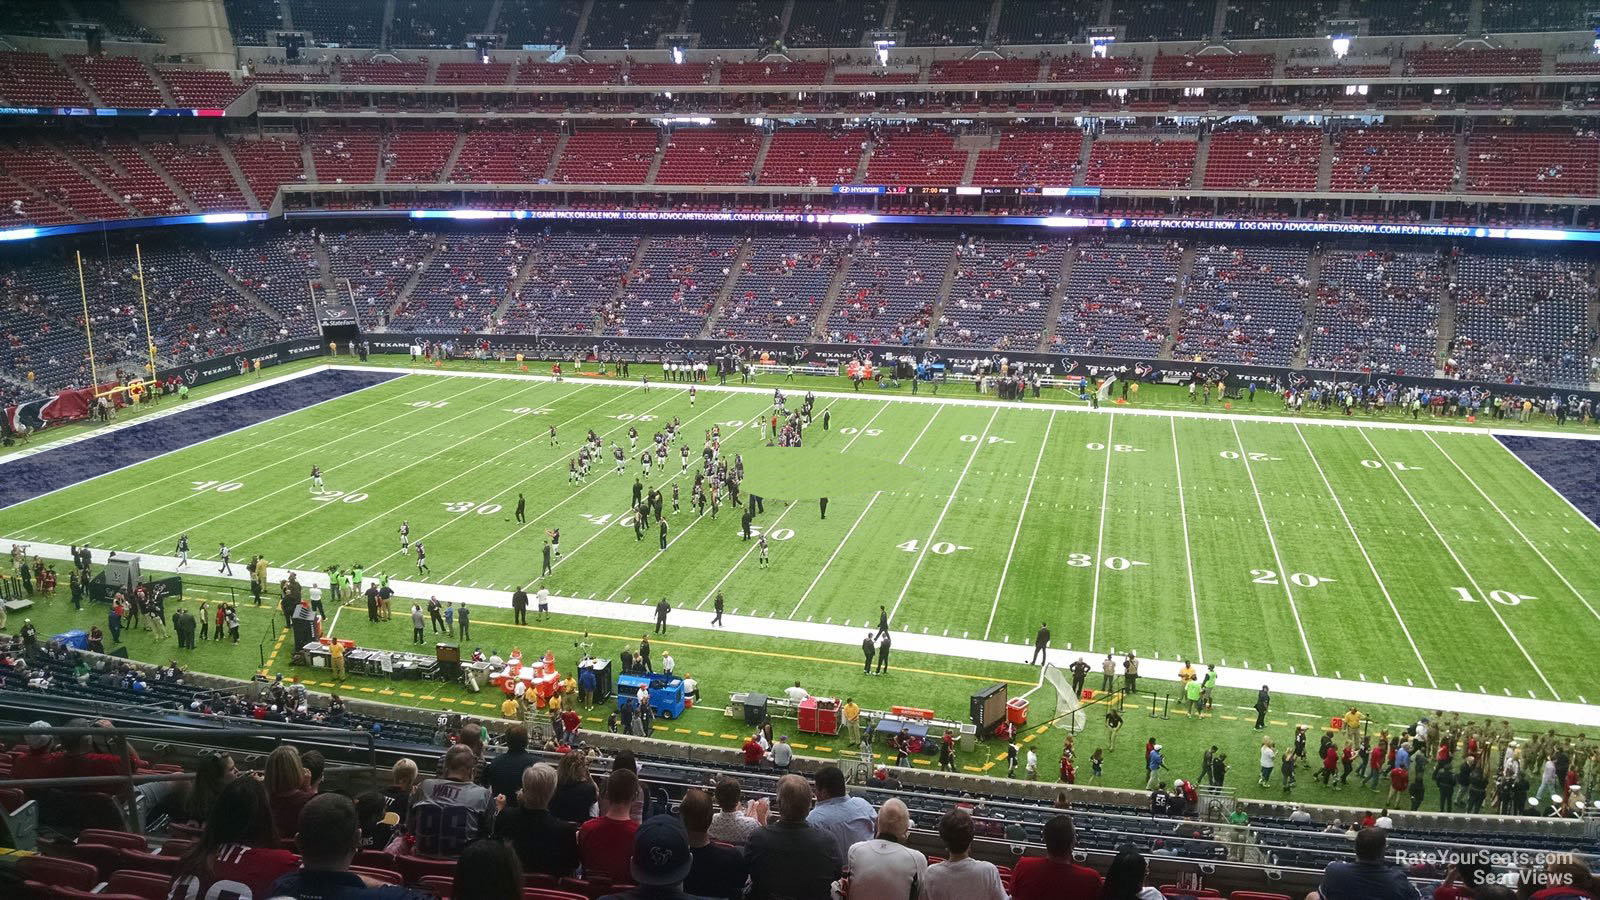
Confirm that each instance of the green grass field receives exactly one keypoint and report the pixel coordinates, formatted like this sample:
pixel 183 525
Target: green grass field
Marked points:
pixel 1363 553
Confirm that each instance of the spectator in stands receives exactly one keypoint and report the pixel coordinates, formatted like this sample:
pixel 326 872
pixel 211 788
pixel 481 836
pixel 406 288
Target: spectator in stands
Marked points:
pixel 959 876
pixel 378 822
pixel 504 773
pixel 288 788
pixel 1369 877
pixel 1125 878
pixel 1055 876
pixel 605 843
pixel 719 869
pixel 488 870
pixel 848 820
pixel 791 858
pixel 543 842
pixel 329 836
pixel 41 759
pixel 731 824
pixel 885 866
pixel 236 849
pixel 626 760
pixel 315 763
pixel 212 773
pixel 576 794
pixel 661 861
pixel 451 812
pixel 402 783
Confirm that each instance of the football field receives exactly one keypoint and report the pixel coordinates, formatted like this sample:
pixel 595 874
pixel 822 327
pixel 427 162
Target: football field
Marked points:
pixel 1359 551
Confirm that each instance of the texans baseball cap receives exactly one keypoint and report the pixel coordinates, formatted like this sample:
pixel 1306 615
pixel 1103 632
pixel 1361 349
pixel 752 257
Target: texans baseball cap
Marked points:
pixel 661 852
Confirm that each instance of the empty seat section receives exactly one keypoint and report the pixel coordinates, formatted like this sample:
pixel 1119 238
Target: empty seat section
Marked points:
pixel 1377 311
pixel 1030 157
pixel 118 80
pixel 345 155
pixel 1243 305
pixel 472 73
pixel 888 293
pixel 268 163
pixel 569 73
pixel 38 167
pixel 668 73
pixel 1214 67
pixel 780 288
pixel 383 73
pixel 201 88
pixel 251 20
pixel 971 71
pixel 201 171
pixel 1487 61
pixel 1118 298
pixel 1141 163
pixel 630 24
pixel 34 79
pixel 433 25
pixel 1411 16
pixel 1042 22
pixel 1164 20
pixel 463 284
pixel 339 24
pixel 833 23
pixel 1547 163
pixel 736 23
pixel 1279 18
pixel 1096 68
pixel 570 276
pixel 607 156
pixel 916 156
pixel 1000 295
pixel 773 73
pixel 417 155
pixel 376 265
pixel 672 290
pixel 936 23
pixel 1271 159
pixel 1393 159
pixel 276 268
pixel 715 155
pixel 1523 319
pixel 505 155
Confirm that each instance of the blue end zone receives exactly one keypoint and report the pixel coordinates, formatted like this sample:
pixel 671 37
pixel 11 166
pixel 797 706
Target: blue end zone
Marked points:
pixel 1571 467
pixel 75 462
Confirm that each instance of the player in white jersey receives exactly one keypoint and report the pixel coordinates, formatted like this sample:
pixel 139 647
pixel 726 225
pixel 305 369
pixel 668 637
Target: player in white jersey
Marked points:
pixel 405 537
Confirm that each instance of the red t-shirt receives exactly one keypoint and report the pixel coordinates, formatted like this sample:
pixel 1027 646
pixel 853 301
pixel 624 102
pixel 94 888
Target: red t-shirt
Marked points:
pixel 1399 779
pixel 1330 760
pixel 1042 878
pixel 35 764
pixel 237 873
pixel 605 846
pixel 1376 759
pixel 753 752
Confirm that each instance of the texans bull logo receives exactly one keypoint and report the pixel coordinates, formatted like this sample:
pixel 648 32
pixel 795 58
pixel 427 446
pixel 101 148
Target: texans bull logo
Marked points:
pixel 1386 385
pixel 1068 364
pixel 1217 373
pixel 191 375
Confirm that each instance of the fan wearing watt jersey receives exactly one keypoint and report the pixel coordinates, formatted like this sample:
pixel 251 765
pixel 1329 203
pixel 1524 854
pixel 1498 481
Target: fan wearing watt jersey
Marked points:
pixel 235 858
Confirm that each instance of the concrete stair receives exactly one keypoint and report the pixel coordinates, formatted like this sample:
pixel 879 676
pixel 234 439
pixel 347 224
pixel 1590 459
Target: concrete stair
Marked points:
pixel 166 178
pixel 402 295
pixel 936 314
pixel 1057 298
pixel 835 284
pixel 95 180
pixel 241 182
pixel 726 291
pixel 1302 349
pixel 1185 267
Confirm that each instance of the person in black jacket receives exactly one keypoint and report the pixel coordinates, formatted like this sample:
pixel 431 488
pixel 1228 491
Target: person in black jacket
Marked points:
pixel 544 843
pixel 1041 644
pixel 1263 703
pixel 868 649
pixel 883 654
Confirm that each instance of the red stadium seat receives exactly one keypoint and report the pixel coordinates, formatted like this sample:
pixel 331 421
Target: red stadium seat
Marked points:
pixel 415 868
pixel 387 876
pixel 103 857
pixel 55 870
pixel 377 859
pixel 1172 890
pixel 145 861
pixel 1257 895
pixel 176 846
pixel 439 885
pixel 547 894
pixel 144 884
pixel 114 838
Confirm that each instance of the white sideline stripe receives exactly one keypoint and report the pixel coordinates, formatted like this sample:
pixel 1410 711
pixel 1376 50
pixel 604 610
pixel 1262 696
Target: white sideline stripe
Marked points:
pixel 1012 404
pixel 1363 548
pixel 599 477
pixel 1581 514
pixel 1100 535
pixel 256 471
pixel 157 416
pixel 1483 596
pixel 228 512
pixel 1358 692
pixel 976 446
pixel 1004 570
pixel 1188 549
pixel 1283 574
pixel 251 448
pixel 389 474
pixel 674 477
pixel 1525 539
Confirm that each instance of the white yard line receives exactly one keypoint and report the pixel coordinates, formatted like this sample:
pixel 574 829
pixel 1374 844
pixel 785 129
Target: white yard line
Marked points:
pixel 1100 540
pixel 1283 574
pixel 534 520
pixel 1188 548
pixel 467 439
pixel 211 464
pixel 1525 539
pixel 1383 588
pixel 380 517
pixel 297 483
pixel 1006 569
pixel 248 448
pixel 1483 596
pixel 742 557
pixel 602 529
pixel 976 446
pixel 835 555
pixel 918 439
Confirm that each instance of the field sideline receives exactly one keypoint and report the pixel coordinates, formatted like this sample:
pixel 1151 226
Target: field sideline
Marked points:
pixel 1381 559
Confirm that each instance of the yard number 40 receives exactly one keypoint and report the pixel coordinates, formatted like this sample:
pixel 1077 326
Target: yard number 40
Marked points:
pixel 1504 598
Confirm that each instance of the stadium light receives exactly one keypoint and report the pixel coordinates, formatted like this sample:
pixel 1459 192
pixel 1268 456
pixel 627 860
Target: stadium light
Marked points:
pixel 1340 45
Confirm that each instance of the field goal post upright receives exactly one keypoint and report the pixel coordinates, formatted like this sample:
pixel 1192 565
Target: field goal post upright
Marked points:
pixel 88 332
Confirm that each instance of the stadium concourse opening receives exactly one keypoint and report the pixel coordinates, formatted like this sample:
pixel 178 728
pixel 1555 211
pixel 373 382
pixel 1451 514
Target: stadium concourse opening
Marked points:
pixel 1050 449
